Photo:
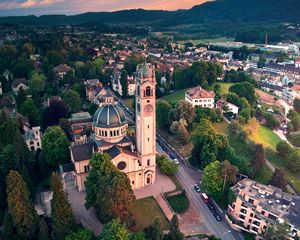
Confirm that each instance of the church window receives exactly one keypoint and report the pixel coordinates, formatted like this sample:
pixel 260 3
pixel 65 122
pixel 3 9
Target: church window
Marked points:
pixel 148 101
pixel 111 133
pixel 148 139
pixel 121 165
pixel 118 132
pixel 138 91
pixel 132 182
pixel 105 133
pixel 148 126
pixel 138 107
pixel 38 144
pixel 148 162
pixel 86 168
pixel 148 91
pixel 140 174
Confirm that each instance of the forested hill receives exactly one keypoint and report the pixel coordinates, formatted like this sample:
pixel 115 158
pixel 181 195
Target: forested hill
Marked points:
pixel 244 11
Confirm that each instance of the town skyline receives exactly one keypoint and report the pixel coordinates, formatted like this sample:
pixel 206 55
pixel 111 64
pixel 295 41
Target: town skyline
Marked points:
pixel 45 7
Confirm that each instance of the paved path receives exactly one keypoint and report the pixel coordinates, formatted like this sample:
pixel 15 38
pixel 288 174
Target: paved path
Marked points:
pixel 161 185
pixel 164 206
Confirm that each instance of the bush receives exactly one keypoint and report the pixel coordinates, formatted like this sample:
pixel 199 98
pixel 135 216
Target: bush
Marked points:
pixel 166 166
pixel 294 137
pixel 179 203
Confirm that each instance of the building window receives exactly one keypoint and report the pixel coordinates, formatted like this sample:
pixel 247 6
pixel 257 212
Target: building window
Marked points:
pixel 132 182
pixel 148 101
pixel 138 91
pixel 148 162
pixel 148 139
pixel 148 92
pixel 86 168
pixel 121 165
pixel 251 200
pixel 38 144
pixel 148 126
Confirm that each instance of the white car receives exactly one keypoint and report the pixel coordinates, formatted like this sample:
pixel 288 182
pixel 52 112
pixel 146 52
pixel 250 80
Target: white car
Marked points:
pixel 176 161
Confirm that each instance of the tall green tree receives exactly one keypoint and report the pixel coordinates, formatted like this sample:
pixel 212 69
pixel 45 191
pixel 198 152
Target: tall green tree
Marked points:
pixel 62 216
pixel 283 149
pixel 278 179
pixel 37 82
pixel 258 160
pixel 166 166
pixel 293 161
pixel 108 190
pixel 229 172
pixel 72 99
pixel 43 230
pixel 124 83
pixel 29 110
pixel 55 146
pixel 174 233
pixel 212 180
pixel 154 231
pixel 82 234
pixel 20 206
pixel 162 114
pixel 245 90
pixel 114 230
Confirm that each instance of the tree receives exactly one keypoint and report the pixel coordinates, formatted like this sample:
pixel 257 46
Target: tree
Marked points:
pixel 229 172
pixel 212 180
pixel 137 236
pixel 245 114
pixel 72 99
pixel 283 149
pixel 154 231
pixel 62 217
pixel 114 230
pixel 186 111
pixel 82 234
pixel 124 83
pixel 271 121
pixel 276 232
pixel 29 110
pixel 297 104
pixel 174 233
pixel 55 146
pixel 43 230
pixel 258 160
pixel 37 82
pixel 166 166
pixel 162 114
pixel 293 160
pixel 245 90
pixel 57 109
pixel 20 207
pixel 278 179
pixel 108 190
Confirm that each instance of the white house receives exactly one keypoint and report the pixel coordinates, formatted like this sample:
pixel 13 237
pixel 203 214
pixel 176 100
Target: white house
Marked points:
pixel 33 138
pixel 200 97
pixel 227 107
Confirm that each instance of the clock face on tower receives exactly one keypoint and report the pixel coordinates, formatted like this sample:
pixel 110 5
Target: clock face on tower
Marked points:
pixel 148 108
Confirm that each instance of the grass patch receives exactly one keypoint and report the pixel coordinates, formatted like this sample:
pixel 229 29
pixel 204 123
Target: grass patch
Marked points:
pixel 145 211
pixel 261 134
pixel 175 97
pixel 224 87
pixel 179 203
pixel 221 127
pixel 240 146
pixel 264 176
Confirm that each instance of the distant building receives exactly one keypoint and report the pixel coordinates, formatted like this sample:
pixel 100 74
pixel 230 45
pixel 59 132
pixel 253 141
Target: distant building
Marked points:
pixel 288 95
pixel 19 83
pixel 33 138
pixel 61 70
pixel 92 88
pixel 200 97
pixel 258 206
pixel 1 92
pixel 117 87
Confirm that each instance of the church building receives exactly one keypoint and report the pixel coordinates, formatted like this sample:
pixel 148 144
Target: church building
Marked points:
pixel 135 156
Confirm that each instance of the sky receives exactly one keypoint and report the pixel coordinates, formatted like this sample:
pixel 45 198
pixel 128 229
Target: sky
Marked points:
pixel 69 7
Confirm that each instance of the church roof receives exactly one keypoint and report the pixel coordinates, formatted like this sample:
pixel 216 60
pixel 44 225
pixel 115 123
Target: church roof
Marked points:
pixel 83 152
pixel 109 115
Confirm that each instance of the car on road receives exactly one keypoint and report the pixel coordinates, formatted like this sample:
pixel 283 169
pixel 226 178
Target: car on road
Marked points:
pixel 176 161
pixel 172 156
pixel 217 217
pixel 211 208
pixel 164 147
pixel 168 152
pixel 205 197
pixel 197 188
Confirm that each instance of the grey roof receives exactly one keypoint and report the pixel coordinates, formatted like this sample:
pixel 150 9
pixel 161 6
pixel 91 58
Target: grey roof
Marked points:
pixel 113 152
pixel 68 167
pixel 15 83
pixel 83 151
pixel 109 116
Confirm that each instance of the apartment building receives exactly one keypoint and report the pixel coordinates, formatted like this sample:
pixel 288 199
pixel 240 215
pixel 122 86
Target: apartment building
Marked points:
pixel 257 206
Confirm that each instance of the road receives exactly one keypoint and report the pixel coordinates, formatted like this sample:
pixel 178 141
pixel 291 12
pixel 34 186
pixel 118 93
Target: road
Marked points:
pixel 219 229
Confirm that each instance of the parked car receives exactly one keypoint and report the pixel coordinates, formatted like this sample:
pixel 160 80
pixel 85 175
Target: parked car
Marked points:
pixel 197 188
pixel 172 156
pixel 211 208
pixel 217 217
pixel 164 147
pixel 176 161
pixel 205 197
pixel 168 152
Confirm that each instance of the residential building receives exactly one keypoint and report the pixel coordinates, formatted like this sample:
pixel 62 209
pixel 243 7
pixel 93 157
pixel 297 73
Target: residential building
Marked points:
pixel 92 88
pixel 225 106
pixel 117 87
pixel 288 95
pixel 134 156
pixel 33 138
pixel 61 70
pixel 19 83
pixel 257 206
pixel 200 97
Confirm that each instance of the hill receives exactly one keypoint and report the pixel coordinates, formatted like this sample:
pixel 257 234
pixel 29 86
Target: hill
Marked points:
pixel 219 11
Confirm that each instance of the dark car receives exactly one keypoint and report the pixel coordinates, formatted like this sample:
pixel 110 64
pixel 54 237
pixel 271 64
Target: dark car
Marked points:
pixel 163 148
pixel 168 152
pixel 197 188
pixel 172 156
pixel 217 217
pixel 211 208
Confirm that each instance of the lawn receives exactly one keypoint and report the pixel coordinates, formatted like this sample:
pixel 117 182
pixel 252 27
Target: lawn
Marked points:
pixel 145 212
pixel 224 87
pixel 221 127
pixel 179 203
pixel 261 134
pixel 175 97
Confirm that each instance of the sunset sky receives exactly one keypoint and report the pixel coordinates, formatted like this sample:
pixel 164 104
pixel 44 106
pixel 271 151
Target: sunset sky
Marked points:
pixel 38 7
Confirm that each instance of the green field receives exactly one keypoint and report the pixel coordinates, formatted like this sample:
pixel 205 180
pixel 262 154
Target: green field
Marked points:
pixel 145 212
pixel 179 203
pixel 224 87
pixel 175 97
pixel 206 41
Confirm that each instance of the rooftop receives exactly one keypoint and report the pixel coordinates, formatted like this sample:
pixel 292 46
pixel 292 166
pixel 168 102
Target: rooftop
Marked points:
pixel 199 92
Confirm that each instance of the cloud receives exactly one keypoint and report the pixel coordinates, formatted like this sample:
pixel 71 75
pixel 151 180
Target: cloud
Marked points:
pixel 38 7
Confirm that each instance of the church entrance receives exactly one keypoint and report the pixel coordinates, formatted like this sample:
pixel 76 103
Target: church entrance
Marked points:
pixel 149 178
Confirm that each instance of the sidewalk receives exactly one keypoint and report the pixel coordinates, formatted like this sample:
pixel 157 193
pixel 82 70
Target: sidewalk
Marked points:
pixel 168 212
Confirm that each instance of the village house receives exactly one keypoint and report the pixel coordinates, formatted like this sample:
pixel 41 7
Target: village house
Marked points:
pixel 33 137
pixel 61 70
pixel 200 97
pixel 225 106
pixel 19 83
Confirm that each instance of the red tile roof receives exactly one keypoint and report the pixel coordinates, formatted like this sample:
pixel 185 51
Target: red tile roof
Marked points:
pixel 199 92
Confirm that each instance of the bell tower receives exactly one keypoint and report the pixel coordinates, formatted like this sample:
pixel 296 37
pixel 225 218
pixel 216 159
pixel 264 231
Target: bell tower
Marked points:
pixel 146 120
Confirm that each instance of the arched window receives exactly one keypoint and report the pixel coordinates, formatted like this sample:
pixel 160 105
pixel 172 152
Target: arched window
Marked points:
pixel 148 91
pixel 138 90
